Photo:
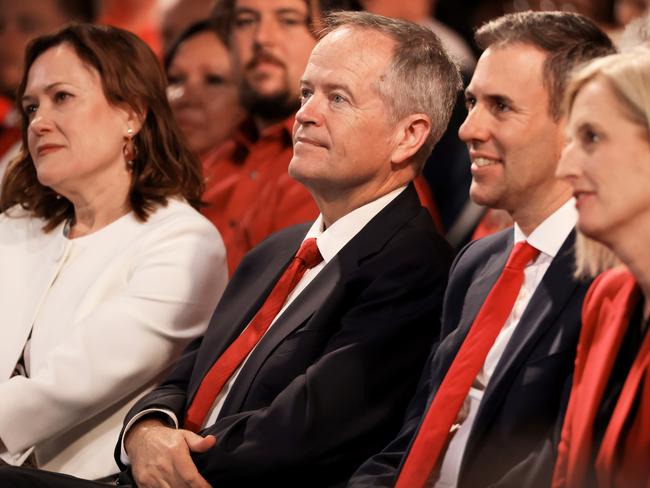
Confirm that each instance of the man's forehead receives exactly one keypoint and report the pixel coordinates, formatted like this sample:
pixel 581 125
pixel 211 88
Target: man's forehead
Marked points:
pixel 350 56
pixel 272 5
pixel 363 40
pixel 509 70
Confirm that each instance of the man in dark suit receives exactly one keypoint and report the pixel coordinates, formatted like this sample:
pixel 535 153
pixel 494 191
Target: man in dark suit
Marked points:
pixel 328 382
pixel 500 431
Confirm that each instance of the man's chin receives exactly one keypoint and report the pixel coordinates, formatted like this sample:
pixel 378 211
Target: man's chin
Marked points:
pixel 482 196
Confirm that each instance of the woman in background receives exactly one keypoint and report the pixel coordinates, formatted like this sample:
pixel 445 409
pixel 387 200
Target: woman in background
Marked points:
pixel 108 270
pixel 606 433
pixel 202 92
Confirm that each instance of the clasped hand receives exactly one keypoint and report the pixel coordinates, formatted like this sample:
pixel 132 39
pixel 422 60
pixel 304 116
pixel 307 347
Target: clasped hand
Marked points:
pixel 160 455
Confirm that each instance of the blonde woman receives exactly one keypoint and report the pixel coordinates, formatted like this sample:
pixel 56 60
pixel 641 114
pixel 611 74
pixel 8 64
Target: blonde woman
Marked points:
pixel 606 433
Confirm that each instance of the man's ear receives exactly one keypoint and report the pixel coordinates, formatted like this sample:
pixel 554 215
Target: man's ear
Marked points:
pixel 410 134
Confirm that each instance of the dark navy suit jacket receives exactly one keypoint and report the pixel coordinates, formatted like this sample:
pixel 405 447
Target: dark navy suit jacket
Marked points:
pixel 329 383
pixel 513 435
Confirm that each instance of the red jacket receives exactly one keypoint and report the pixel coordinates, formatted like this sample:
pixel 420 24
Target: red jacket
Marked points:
pixel 624 456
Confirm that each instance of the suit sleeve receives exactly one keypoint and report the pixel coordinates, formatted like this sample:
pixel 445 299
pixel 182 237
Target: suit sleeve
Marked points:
pixel 337 410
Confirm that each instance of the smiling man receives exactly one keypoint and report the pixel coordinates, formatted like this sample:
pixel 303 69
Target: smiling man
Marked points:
pixel 316 346
pixel 488 402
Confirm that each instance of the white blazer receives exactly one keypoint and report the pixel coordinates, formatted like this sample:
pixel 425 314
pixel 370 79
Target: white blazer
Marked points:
pixel 108 313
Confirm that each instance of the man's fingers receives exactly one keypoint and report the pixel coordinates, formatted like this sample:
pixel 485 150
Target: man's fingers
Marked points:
pixel 161 458
pixel 198 443
pixel 188 474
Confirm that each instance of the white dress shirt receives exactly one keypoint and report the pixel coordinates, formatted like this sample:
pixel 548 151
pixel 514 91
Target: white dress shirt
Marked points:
pixel 329 241
pixel 548 237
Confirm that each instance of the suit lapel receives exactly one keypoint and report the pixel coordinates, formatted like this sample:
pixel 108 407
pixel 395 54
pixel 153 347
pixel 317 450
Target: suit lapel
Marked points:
pixel 474 298
pixel 481 286
pixel 237 308
pixel 368 241
pixel 296 314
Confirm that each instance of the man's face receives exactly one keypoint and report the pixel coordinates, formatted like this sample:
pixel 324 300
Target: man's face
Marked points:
pixel 343 135
pixel 271 43
pixel 513 141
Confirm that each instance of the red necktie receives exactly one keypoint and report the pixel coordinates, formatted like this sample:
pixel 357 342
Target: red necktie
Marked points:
pixel 307 257
pixel 431 439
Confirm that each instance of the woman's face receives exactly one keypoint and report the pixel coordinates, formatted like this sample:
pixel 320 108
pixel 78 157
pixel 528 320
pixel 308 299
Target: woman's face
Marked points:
pixel 202 92
pixel 75 138
pixel 607 162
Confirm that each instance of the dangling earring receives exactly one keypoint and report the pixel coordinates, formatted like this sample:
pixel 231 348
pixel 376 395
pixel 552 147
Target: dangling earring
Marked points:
pixel 129 150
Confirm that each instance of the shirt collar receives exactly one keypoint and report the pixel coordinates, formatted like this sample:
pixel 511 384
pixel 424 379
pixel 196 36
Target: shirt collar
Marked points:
pixel 549 236
pixel 331 240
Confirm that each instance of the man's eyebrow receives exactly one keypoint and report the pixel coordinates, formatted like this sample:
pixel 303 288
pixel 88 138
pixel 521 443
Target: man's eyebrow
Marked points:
pixel 331 86
pixel 288 10
pixel 280 11
pixel 246 10
pixel 492 97
pixel 498 98
pixel 337 86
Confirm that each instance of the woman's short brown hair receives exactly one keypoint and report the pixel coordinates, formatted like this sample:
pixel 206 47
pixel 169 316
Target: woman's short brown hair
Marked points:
pixel 132 78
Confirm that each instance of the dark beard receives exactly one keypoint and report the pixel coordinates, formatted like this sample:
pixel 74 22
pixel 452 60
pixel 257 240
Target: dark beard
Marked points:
pixel 272 108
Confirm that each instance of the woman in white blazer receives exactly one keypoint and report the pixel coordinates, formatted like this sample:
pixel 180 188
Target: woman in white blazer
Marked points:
pixel 107 271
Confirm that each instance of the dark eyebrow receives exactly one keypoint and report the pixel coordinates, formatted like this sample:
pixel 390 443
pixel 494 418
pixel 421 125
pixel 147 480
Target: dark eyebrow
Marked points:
pixel 280 11
pixel 287 10
pixel 492 98
pixel 501 99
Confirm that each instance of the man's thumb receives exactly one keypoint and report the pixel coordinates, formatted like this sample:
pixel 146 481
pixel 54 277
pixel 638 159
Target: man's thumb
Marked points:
pixel 197 443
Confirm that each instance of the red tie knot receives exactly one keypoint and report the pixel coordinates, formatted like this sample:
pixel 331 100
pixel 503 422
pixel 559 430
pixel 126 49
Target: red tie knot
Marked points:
pixel 309 253
pixel 522 254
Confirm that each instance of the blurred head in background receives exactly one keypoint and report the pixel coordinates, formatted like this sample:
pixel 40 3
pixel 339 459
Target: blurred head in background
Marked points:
pixel 178 15
pixel 22 20
pixel 202 91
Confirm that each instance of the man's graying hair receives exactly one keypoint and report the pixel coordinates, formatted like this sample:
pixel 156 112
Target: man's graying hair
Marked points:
pixel 569 39
pixel 422 77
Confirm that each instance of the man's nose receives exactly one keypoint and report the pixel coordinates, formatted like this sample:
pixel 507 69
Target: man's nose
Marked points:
pixel 267 31
pixel 310 111
pixel 475 127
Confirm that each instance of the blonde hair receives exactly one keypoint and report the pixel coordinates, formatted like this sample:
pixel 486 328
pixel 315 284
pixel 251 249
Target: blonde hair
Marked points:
pixel 592 257
pixel 628 75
